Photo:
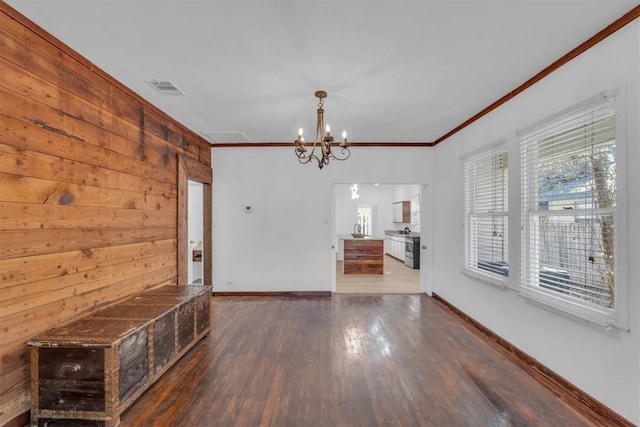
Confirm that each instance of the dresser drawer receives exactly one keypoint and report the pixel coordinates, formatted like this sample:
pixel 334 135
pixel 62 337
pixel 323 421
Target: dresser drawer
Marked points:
pixel 71 379
pixel 71 363
pixel 69 395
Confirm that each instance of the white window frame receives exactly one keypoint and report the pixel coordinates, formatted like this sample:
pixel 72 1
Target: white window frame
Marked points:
pixel 606 317
pixel 470 261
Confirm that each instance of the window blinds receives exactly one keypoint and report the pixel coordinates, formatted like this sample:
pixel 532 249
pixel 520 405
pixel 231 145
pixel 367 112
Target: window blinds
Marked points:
pixel 486 217
pixel 568 198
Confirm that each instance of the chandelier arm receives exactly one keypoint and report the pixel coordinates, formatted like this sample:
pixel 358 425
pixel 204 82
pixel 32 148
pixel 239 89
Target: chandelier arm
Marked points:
pixel 344 151
pixel 302 159
pixel 300 152
pixel 306 158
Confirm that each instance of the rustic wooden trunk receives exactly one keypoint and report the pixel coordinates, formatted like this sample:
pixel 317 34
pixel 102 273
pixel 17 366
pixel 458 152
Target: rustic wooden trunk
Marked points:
pixel 94 368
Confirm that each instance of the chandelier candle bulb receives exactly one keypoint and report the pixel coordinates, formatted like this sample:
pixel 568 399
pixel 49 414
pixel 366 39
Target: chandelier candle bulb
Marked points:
pixel 344 143
pixel 328 130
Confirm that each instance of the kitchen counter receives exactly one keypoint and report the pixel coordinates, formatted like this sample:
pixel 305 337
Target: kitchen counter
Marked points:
pixel 398 233
pixel 350 237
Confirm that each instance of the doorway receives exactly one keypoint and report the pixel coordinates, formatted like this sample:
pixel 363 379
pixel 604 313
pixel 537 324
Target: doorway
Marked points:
pixel 195 222
pixel 192 170
pixel 372 212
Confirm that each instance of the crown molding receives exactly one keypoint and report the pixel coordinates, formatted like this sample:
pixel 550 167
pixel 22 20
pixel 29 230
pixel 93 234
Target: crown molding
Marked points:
pixel 575 52
pixel 291 144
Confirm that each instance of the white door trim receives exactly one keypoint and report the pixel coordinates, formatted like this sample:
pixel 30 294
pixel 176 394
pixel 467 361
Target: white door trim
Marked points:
pixel 427 264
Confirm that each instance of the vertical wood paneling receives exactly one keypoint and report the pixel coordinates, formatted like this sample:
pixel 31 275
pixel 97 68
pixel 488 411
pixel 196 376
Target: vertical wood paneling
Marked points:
pixel 88 193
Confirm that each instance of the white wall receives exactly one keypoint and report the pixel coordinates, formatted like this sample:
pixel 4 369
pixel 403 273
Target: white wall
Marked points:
pixel 605 364
pixel 284 244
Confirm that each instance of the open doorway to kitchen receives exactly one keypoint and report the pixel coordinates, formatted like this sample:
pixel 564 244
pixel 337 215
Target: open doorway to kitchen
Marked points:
pixel 388 215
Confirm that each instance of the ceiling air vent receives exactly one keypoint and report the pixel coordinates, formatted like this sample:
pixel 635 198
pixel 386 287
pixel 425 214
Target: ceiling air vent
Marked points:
pixel 166 87
pixel 225 136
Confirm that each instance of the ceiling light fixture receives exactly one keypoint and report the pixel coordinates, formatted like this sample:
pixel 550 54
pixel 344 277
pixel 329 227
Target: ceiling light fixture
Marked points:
pixel 354 192
pixel 323 139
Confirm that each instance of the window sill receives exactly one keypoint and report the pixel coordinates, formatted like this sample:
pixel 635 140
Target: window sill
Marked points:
pixel 604 318
pixel 491 279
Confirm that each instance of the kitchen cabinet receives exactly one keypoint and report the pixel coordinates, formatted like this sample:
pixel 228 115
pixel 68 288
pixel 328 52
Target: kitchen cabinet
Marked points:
pixel 399 248
pixel 394 246
pixel 402 212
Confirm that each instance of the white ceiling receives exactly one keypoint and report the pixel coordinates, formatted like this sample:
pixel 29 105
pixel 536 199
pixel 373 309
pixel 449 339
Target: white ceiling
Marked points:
pixel 395 71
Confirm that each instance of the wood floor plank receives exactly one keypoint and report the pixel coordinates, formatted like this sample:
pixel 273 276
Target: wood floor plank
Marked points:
pixel 348 360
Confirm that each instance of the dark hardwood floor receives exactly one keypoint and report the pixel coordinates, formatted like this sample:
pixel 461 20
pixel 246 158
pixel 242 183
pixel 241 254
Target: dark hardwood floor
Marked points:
pixel 347 360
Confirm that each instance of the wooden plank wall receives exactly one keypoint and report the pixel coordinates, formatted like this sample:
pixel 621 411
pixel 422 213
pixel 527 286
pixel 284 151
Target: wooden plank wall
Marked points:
pixel 88 193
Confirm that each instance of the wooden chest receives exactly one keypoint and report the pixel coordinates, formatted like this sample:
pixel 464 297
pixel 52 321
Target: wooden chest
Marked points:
pixel 95 367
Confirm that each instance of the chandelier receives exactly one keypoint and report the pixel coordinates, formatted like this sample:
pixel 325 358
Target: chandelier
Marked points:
pixel 323 140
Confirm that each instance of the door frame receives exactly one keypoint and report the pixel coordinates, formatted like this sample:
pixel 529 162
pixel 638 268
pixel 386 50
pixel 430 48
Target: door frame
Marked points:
pixel 426 236
pixel 426 239
pixel 189 169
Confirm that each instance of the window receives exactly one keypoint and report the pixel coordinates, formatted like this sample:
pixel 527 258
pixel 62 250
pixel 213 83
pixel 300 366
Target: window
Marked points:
pixel 486 211
pixel 569 204
pixel 415 210
pixel 365 219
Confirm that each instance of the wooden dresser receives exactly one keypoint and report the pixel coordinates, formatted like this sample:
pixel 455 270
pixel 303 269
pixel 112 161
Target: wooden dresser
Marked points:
pixel 96 367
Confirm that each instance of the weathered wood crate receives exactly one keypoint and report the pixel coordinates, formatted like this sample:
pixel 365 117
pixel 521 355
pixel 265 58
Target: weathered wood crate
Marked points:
pixel 96 367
